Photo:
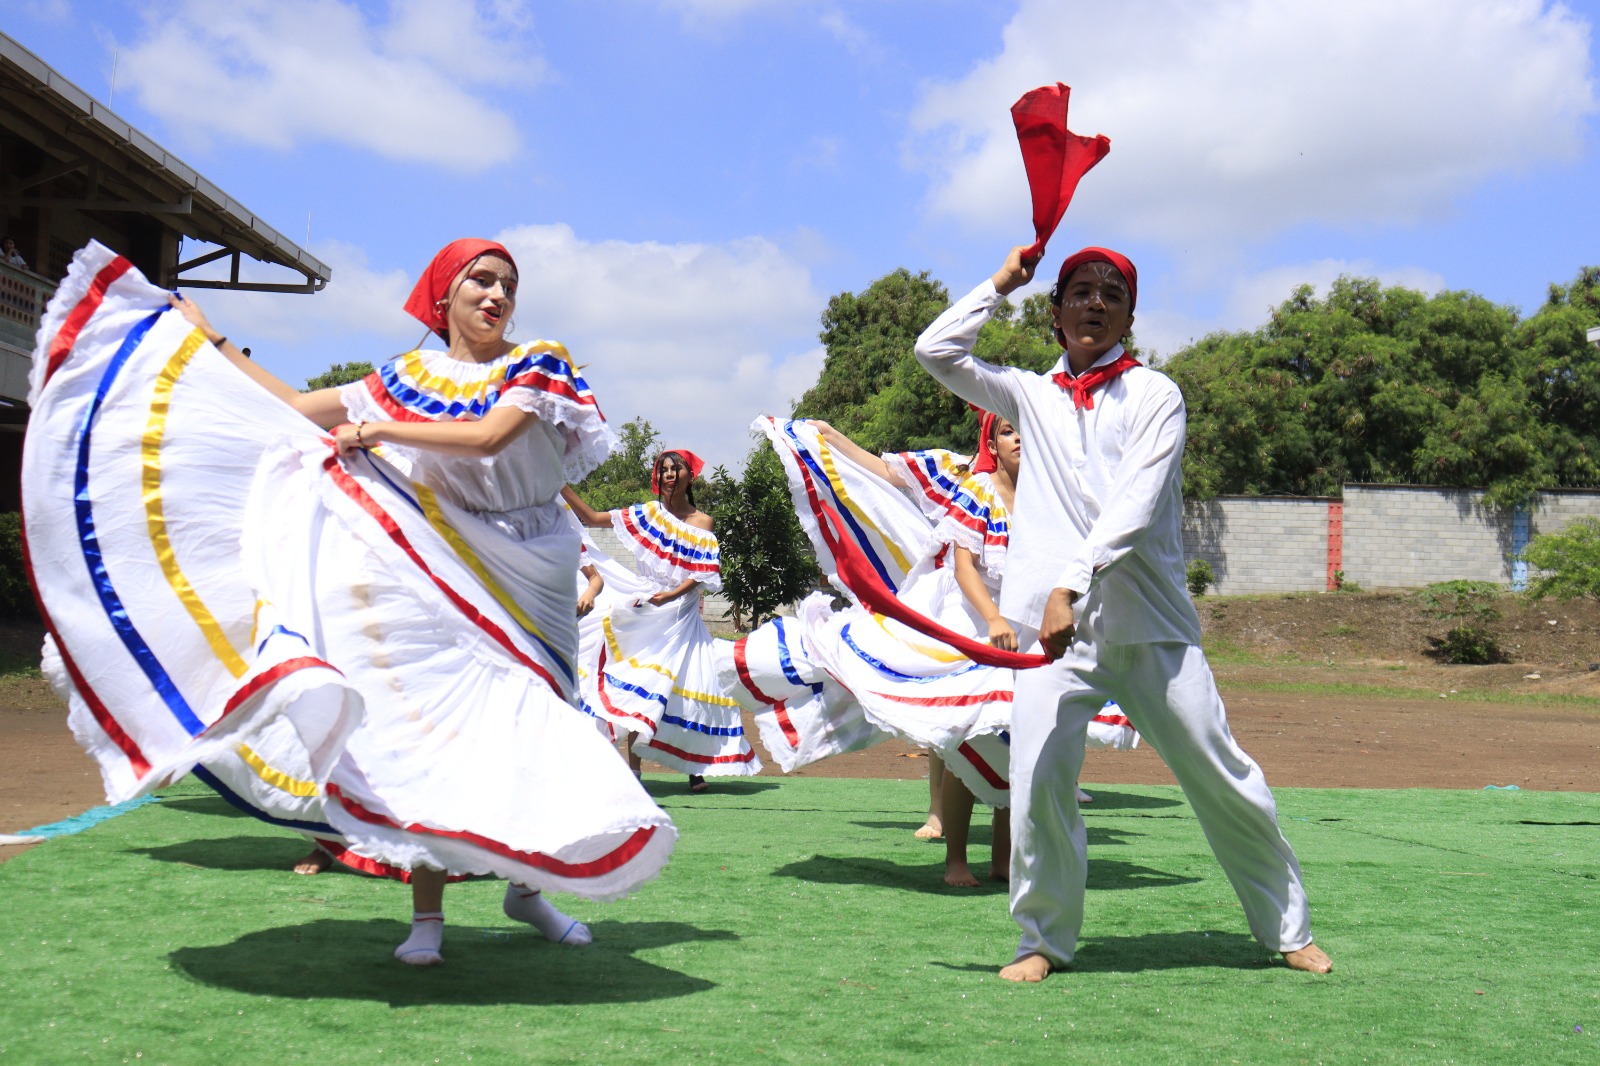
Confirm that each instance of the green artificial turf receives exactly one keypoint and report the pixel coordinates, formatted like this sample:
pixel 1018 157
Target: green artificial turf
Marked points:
pixel 800 922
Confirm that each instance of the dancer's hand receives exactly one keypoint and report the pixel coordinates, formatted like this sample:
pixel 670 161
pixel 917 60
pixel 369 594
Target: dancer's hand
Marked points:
pixel 351 437
pixel 585 603
pixel 193 315
pixel 659 598
pixel 1059 627
pixel 1002 636
pixel 1016 272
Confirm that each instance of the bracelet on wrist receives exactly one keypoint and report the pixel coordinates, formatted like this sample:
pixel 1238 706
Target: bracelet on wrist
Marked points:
pixel 359 427
pixel 220 341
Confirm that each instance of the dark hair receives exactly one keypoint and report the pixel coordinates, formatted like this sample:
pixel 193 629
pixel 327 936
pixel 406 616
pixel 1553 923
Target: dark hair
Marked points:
pixel 655 473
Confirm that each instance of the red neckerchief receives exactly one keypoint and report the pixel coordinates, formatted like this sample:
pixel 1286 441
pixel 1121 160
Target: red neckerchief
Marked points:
pixel 1085 383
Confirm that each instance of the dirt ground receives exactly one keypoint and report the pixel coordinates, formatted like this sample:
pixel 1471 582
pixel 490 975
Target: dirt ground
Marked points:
pixel 1424 731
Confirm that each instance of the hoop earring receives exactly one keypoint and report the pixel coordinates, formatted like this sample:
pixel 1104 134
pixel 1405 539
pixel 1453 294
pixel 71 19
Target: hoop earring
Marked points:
pixel 511 326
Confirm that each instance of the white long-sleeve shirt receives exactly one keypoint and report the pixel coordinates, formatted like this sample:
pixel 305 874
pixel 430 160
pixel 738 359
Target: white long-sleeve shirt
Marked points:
pixel 1099 505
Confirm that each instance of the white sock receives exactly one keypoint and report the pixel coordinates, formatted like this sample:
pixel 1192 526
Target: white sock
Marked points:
pixel 529 905
pixel 427 936
pixel 1084 797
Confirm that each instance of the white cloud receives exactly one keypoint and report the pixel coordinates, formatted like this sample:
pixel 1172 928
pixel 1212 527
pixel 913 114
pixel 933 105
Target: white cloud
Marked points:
pixel 698 338
pixel 281 72
pixel 1235 119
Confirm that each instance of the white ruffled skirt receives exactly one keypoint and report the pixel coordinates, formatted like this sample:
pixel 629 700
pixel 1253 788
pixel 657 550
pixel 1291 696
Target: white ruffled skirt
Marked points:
pixel 657 678
pixel 331 645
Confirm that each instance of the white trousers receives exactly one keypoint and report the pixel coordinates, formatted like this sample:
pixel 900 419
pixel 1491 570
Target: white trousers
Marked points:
pixel 1168 692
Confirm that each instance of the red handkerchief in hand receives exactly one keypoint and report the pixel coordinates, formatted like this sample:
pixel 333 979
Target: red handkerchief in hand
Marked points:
pixel 1053 155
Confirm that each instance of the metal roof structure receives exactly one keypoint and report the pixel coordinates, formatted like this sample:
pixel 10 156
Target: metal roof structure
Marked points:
pixel 126 171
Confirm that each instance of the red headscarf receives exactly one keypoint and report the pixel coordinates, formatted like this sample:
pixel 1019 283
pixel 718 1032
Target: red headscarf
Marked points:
pixel 1054 157
pixel 984 462
pixel 1123 264
pixel 696 464
pixel 424 302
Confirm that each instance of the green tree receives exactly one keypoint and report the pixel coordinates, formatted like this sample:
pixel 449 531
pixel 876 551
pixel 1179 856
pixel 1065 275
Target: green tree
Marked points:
pixel 866 336
pixel 16 595
pixel 339 374
pixel 1570 561
pixel 624 478
pixel 766 558
pixel 1369 384
pixel 1555 363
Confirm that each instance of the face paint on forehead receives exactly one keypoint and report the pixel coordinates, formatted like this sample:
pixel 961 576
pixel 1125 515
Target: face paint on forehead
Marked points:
pixel 1099 271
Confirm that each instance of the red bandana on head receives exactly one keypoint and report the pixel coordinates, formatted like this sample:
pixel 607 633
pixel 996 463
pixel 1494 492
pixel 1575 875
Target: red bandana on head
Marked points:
pixel 424 302
pixel 695 463
pixel 1091 254
pixel 984 462
pixel 1054 157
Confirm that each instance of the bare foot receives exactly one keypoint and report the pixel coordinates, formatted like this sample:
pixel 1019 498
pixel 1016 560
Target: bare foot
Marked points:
pixel 314 863
pixel 1000 873
pixel 1310 958
pixel 958 875
pixel 1029 968
pixel 932 829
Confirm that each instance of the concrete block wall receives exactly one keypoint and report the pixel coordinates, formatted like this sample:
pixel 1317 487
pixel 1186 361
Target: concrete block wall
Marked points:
pixel 1402 536
pixel 1259 543
pixel 1555 510
pixel 1379 536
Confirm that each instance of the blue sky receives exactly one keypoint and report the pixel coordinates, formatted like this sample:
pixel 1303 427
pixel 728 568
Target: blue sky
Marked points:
pixel 686 182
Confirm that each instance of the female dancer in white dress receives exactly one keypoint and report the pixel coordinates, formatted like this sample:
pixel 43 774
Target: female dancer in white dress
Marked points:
pixel 657 677
pixel 935 526
pixel 372 634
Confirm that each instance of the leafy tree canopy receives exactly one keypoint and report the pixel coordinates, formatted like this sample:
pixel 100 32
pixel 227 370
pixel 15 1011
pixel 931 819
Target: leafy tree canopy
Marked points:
pixel 624 478
pixel 339 374
pixel 1388 385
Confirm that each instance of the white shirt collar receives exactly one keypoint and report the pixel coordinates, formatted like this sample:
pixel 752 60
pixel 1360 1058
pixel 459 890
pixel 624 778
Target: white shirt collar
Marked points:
pixel 1111 356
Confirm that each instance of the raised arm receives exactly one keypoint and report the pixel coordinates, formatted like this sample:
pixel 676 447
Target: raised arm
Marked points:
pixel 586 514
pixel 324 407
pixel 945 347
pixel 854 452
pixel 1001 635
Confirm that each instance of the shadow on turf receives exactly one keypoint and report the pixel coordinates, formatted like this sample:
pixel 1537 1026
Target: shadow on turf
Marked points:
pixel 1152 951
pixel 238 853
pixel 336 959
pixel 982 833
pixel 203 805
pixel 719 786
pixel 929 877
pixel 1125 801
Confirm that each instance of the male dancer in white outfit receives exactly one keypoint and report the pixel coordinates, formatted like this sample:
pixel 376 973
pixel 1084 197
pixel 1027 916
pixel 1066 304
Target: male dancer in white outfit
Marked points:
pixel 1096 576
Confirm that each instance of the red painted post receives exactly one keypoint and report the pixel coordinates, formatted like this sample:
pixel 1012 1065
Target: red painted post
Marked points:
pixel 1335 543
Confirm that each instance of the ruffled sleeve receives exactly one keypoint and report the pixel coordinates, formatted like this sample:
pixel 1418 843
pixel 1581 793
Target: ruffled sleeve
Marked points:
pixel 669 551
pixel 976 519
pixel 428 386
pixel 543 382
pixel 931 478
